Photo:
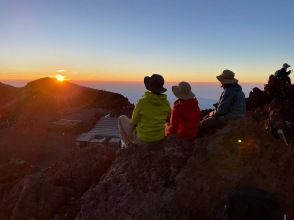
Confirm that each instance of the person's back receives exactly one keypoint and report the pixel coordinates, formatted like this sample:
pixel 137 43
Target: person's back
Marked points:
pixel 232 103
pixel 188 119
pixel 149 116
pixel 283 74
pixel 185 116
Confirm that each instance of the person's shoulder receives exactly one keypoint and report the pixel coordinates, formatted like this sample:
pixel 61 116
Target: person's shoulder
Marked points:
pixel 240 91
pixel 232 90
pixel 277 72
pixel 177 105
pixel 228 90
pixel 141 101
pixel 164 99
pixel 177 102
pixel 167 104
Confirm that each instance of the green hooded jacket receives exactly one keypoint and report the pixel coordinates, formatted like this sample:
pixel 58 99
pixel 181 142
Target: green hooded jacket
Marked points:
pixel 149 116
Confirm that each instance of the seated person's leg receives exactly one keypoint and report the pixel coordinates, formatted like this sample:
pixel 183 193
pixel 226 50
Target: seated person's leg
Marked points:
pixel 126 130
pixel 208 123
pixel 211 124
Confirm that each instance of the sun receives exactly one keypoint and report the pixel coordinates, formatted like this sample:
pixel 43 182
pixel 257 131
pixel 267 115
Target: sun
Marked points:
pixel 60 78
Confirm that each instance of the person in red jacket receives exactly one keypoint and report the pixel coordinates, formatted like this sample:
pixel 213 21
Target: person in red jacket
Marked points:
pixel 185 116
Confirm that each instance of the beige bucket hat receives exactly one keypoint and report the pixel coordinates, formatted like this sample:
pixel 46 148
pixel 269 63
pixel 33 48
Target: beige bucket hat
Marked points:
pixel 183 91
pixel 227 77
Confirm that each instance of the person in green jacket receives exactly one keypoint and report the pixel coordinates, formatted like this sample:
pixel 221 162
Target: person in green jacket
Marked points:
pixel 151 113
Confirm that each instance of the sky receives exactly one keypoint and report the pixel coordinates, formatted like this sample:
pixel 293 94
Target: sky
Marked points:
pixel 125 40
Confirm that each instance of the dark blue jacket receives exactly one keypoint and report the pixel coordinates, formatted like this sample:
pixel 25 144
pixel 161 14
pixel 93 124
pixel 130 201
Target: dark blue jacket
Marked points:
pixel 232 104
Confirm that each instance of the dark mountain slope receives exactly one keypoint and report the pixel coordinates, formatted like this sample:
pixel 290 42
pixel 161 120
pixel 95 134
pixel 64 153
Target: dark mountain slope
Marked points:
pixel 48 96
pixel 26 117
pixel 7 93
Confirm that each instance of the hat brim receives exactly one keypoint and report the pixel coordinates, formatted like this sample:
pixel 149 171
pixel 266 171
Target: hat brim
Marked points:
pixel 226 81
pixel 177 92
pixel 152 89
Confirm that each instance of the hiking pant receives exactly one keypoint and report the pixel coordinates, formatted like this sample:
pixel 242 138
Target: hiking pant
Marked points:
pixel 127 131
pixel 211 124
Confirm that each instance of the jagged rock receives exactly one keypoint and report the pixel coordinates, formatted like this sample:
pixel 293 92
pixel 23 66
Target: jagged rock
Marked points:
pixel 256 161
pixel 11 172
pixel 135 185
pixel 275 107
pixel 55 191
pixel 175 181
pixel 257 99
pixel 169 180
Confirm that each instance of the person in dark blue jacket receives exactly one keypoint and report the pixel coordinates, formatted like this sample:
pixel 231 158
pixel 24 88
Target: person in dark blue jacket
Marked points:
pixel 231 104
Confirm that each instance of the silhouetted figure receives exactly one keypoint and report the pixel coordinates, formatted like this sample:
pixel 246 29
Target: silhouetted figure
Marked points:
pixel 283 74
pixel 185 116
pixel 278 83
pixel 274 86
pixel 149 116
pixel 257 99
pixel 231 105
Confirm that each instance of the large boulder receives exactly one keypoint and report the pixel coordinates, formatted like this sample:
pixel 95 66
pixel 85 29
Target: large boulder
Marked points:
pixel 178 181
pixel 139 185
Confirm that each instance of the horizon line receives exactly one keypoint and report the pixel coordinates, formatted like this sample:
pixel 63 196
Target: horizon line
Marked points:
pixel 118 81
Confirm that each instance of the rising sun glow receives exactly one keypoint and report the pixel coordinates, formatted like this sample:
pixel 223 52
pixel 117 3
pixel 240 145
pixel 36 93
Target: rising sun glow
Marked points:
pixel 60 78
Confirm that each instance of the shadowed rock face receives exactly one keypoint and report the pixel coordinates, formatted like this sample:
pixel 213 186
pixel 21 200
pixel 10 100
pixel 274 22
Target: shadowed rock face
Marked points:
pixel 139 185
pixel 181 182
pixel 7 93
pixel 275 108
pixel 54 192
pixel 171 180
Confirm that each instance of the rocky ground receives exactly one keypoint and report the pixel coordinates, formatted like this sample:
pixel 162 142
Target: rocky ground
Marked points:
pixel 178 181
pixel 170 180
pixel 30 193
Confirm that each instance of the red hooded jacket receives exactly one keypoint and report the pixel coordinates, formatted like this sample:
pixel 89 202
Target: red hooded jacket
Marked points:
pixel 185 119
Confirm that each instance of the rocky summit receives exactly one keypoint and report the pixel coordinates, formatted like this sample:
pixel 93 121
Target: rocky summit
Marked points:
pixel 170 180
pixel 178 181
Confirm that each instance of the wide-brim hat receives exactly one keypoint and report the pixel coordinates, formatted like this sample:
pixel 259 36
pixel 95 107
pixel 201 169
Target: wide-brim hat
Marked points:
pixel 155 83
pixel 183 91
pixel 227 77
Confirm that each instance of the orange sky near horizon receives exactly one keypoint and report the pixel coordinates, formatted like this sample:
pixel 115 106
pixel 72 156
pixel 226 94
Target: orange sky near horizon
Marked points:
pixel 115 41
pixel 131 76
